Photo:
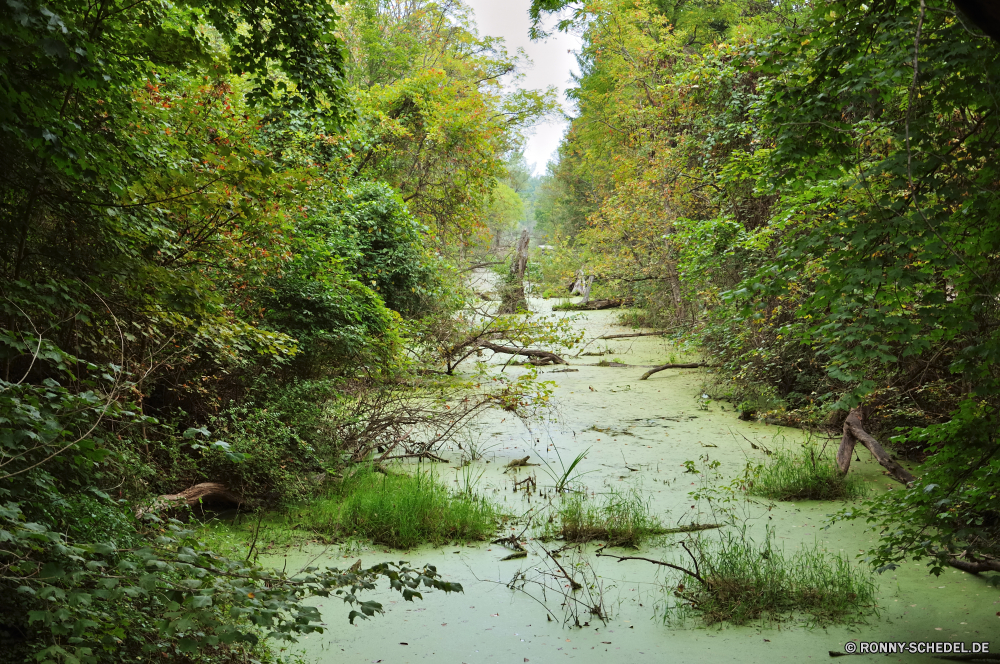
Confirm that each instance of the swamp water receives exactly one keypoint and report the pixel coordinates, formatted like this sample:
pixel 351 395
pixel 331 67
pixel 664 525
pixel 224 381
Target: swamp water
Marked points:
pixel 639 434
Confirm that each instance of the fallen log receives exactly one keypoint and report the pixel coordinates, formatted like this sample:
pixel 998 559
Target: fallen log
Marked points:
pixel 426 454
pixel 689 365
pixel 527 352
pixel 975 566
pixel 854 431
pixel 206 492
pixel 692 528
pixel 593 305
pixel 634 334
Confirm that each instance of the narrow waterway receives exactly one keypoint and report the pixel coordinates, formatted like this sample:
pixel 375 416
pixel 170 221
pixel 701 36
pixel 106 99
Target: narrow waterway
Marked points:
pixel 639 434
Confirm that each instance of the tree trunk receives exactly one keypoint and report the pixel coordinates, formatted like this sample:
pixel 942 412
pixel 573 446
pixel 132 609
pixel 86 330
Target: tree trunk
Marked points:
pixel 586 289
pixel 527 352
pixel 854 431
pixel 581 286
pixel 690 365
pixel 512 297
pixel 673 278
pixel 976 566
pixel 209 492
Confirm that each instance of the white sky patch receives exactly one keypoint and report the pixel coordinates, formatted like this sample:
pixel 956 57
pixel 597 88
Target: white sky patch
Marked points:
pixel 554 61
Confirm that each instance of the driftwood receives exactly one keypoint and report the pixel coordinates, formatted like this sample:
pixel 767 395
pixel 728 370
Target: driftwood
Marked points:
pixel 527 352
pixel 696 573
pixel 208 492
pixel 689 365
pixel 854 431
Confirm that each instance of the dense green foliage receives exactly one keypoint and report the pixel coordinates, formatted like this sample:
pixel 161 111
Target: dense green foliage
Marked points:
pixel 812 194
pixel 211 240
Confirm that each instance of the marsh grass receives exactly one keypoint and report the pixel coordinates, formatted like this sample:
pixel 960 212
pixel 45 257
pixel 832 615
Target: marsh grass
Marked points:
pixel 745 582
pixel 393 510
pixel 565 476
pixel 805 475
pixel 400 511
pixel 619 518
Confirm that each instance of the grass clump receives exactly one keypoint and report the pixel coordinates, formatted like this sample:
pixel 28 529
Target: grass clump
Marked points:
pixel 803 476
pixel 620 519
pixel 743 582
pixel 400 511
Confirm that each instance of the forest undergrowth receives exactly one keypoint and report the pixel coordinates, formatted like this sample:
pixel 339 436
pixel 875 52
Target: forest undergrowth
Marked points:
pixel 237 241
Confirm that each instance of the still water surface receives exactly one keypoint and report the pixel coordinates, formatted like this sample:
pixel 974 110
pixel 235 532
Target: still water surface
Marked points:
pixel 639 433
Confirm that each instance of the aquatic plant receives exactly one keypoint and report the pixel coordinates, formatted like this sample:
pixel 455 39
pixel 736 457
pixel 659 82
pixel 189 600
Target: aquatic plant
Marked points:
pixel 469 479
pixel 620 518
pixel 739 581
pixel 400 511
pixel 565 475
pixel 806 475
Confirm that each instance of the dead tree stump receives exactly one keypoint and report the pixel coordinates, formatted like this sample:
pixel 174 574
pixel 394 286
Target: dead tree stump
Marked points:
pixel 512 299
pixel 581 286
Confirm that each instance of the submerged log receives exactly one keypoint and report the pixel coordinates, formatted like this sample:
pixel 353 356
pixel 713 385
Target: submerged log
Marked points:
pixel 688 365
pixel 854 432
pixel 633 334
pixel 527 352
pixel 206 492
pixel 594 305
